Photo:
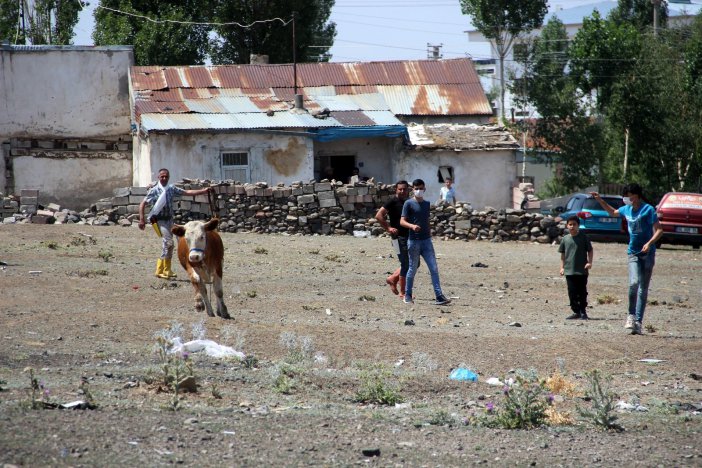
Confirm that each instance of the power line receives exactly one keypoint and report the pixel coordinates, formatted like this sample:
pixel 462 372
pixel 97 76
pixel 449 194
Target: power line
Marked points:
pixel 197 23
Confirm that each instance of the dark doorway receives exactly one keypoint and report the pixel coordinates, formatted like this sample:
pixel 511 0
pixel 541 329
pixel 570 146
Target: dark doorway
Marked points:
pixel 341 167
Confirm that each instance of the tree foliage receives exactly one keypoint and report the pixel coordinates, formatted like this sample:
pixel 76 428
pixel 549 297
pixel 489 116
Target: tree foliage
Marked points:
pixel 501 21
pixel 165 41
pixel 619 103
pixel 45 21
pixel 314 35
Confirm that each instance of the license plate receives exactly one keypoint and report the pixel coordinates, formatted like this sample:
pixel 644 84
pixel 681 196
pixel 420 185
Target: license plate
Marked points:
pixel 686 230
pixel 609 220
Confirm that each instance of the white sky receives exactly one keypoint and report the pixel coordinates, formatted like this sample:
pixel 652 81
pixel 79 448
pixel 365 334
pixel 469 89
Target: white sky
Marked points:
pixel 372 30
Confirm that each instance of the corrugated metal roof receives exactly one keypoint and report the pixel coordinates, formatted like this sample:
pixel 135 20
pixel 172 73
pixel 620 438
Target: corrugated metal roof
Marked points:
pixel 461 137
pixel 257 120
pixel 352 91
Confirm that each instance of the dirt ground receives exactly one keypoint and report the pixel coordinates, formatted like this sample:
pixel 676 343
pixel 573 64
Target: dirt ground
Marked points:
pixel 81 302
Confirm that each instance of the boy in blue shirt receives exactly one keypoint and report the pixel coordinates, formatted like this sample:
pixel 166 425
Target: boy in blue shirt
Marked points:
pixel 644 232
pixel 576 261
pixel 415 217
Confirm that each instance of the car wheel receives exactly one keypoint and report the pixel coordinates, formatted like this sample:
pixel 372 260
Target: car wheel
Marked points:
pixel 696 246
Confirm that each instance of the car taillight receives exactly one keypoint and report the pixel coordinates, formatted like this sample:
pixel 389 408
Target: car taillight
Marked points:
pixel 584 215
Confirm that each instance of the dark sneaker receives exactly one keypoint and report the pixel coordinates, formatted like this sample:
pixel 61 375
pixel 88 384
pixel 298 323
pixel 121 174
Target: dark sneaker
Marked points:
pixel 584 316
pixel 442 300
pixel 637 329
pixel 573 316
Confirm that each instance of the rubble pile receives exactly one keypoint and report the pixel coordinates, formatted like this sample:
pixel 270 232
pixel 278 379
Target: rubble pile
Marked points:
pixel 326 207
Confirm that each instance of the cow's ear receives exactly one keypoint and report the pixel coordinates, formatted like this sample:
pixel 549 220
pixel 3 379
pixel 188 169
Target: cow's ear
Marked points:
pixel 178 230
pixel 212 224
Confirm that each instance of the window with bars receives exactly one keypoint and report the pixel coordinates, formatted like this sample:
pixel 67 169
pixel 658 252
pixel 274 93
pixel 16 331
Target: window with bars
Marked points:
pixel 235 166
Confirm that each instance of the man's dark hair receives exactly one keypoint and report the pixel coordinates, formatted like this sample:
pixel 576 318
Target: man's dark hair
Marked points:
pixel 417 182
pixel 634 189
pixel 573 218
pixel 401 182
pixel 164 169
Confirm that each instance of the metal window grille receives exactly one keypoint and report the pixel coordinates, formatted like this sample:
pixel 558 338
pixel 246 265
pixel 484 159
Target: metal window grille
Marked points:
pixel 235 166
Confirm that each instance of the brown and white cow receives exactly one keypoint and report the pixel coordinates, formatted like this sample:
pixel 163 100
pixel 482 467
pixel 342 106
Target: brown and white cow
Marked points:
pixel 201 252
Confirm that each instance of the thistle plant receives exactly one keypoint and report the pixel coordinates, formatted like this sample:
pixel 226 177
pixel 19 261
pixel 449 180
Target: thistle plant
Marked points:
pixel 601 412
pixel 377 387
pixel 175 367
pixel 524 404
pixel 39 393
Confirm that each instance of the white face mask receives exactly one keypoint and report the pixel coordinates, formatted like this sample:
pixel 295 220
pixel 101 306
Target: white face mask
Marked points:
pixel 627 201
pixel 419 193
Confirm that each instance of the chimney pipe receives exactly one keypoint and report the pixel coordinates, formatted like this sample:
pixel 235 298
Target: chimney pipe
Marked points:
pixel 298 102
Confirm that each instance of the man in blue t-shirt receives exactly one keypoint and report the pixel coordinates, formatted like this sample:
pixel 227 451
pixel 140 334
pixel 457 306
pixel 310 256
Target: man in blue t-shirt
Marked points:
pixel 415 217
pixel 644 232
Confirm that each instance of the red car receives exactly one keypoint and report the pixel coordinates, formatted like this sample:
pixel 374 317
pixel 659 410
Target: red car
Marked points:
pixel 680 214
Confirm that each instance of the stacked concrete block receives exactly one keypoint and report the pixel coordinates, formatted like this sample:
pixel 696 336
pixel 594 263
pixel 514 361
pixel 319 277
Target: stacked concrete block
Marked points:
pixel 29 201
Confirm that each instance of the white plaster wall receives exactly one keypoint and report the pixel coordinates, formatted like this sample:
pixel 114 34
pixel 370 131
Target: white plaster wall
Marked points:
pixel 273 158
pixel 373 155
pixel 483 178
pixel 64 92
pixel 75 182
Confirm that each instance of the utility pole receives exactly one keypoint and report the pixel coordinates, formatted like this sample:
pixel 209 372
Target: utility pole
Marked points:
pixel 434 51
pixel 656 5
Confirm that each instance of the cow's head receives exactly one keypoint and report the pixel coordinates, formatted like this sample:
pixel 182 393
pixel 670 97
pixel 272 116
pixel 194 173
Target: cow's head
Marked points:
pixel 195 235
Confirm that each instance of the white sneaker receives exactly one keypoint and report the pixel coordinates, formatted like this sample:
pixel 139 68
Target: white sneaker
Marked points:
pixel 637 329
pixel 629 322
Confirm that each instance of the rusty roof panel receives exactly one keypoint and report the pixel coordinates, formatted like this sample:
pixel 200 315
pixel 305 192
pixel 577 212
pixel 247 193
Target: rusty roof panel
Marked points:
pixel 198 77
pixel 436 99
pixel 408 72
pixel 353 119
pixel 144 78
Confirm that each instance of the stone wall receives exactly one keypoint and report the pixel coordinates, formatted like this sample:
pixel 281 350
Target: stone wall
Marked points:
pixel 321 208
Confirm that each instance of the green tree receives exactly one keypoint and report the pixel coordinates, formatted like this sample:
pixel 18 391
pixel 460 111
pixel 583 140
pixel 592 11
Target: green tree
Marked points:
pixel 45 21
pixel 314 34
pixel 639 13
pixel 166 38
pixel 502 21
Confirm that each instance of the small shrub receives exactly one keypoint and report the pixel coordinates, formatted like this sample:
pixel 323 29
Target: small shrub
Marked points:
pixel 251 294
pixel 423 362
pixel 87 394
pixel 2 382
pixel 560 385
pixel 300 350
pixel 39 393
pixel 606 299
pixel 376 387
pixel 216 394
pixel 314 251
pixel 250 362
pixel 524 404
pixel 333 258
pixel 441 418
pixel 367 298
pixel 283 378
pixel 650 328
pixel 261 250
pixel 52 245
pixel 106 255
pixel 601 413
pixel 175 367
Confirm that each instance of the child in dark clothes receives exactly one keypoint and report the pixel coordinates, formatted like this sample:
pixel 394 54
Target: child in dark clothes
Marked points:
pixel 576 261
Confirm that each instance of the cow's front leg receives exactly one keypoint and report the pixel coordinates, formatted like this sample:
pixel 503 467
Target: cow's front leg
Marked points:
pixel 201 300
pixel 219 293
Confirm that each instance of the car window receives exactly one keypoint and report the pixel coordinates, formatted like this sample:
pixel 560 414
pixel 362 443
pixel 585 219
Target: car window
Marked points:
pixel 570 204
pixel 592 204
pixel 690 201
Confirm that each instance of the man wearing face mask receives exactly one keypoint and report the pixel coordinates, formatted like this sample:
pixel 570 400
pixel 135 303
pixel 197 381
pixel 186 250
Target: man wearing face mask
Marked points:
pixel 644 232
pixel 415 217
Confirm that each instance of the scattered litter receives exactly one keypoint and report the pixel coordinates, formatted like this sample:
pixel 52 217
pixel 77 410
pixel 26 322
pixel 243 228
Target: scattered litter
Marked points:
pixel 462 373
pixel 403 405
pixel 514 324
pixel 694 376
pixel 163 452
pixel 133 442
pixel 361 233
pixel 3 263
pixel 454 297
pixel 651 361
pixel 399 362
pixel 624 406
pixel 328 312
pixel 494 381
pixel 409 322
pixel 229 432
pixel 479 265
pixel 646 383
pixel 375 452
pixel 210 347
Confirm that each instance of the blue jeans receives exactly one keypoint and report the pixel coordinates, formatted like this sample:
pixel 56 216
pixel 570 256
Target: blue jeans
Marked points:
pixel 425 249
pixel 640 271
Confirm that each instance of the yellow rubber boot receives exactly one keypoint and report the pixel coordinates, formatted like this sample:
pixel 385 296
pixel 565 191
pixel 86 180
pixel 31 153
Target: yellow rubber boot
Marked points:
pixel 160 264
pixel 167 269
